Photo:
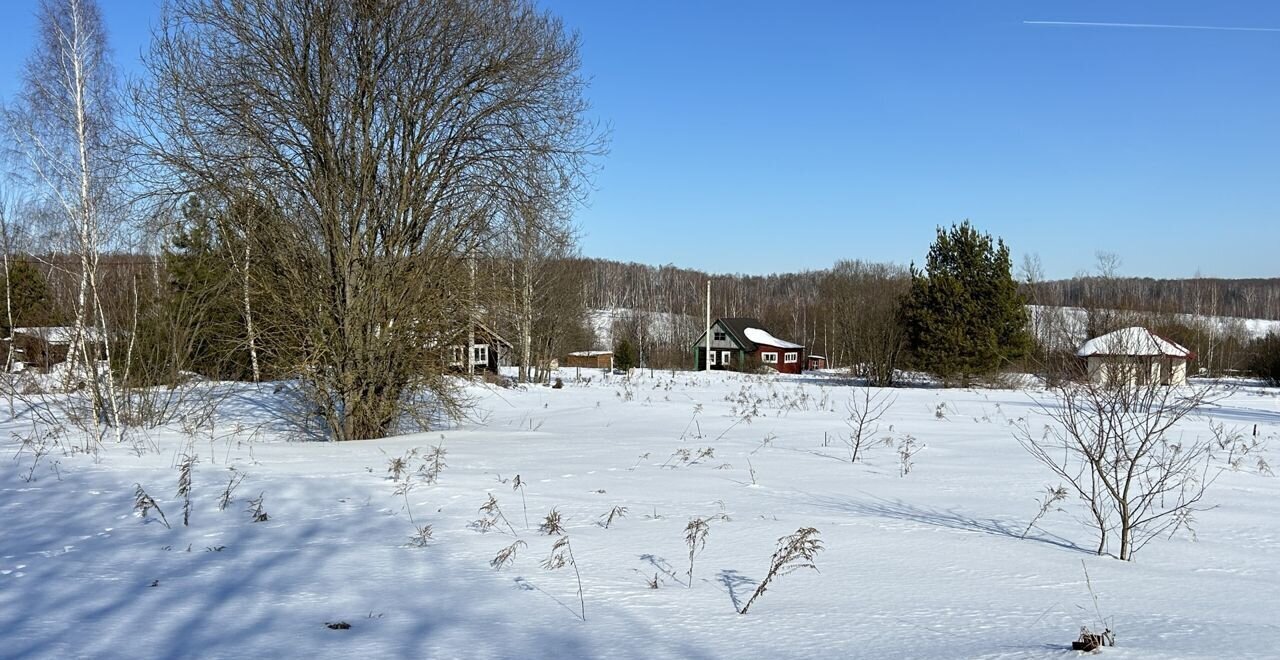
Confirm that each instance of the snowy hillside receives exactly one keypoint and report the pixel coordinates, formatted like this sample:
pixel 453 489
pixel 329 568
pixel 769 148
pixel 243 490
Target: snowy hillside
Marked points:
pixel 665 326
pixel 927 564
pixel 1074 318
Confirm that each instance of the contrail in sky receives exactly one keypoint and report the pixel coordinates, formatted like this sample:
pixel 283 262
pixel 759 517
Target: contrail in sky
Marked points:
pixel 1154 26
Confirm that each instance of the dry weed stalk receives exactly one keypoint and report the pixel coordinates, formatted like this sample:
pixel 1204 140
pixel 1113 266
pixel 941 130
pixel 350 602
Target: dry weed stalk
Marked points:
pixel 144 503
pixel 256 512
pixel 507 555
pixel 518 484
pixel 227 493
pixel 907 449
pixel 1051 497
pixel 1090 641
pixel 184 485
pixel 616 513
pixel 794 552
pixel 553 524
pixel 695 536
pixel 398 466
pixel 493 514
pixel 433 464
pixel 561 556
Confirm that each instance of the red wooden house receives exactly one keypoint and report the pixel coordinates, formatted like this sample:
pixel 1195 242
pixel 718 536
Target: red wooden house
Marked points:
pixel 743 344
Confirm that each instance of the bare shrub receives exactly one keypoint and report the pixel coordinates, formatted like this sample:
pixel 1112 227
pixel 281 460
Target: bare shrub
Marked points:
pixel 1111 444
pixel 865 407
pixel 794 552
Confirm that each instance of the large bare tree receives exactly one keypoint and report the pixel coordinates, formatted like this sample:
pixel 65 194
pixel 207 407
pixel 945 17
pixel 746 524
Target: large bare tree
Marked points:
pixel 386 137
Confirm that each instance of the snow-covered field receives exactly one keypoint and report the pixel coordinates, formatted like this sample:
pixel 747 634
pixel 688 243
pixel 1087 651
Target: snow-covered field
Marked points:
pixel 926 565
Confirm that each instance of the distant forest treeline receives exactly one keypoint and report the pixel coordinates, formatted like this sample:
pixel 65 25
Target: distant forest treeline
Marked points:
pixel 846 312
pixel 1246 298
pixel 786 298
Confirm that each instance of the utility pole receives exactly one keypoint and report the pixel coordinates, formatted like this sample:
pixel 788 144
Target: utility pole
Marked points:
pixel 706 339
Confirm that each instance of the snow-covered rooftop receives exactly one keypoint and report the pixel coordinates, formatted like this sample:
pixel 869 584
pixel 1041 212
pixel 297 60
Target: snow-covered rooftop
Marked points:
pixel 590 353
pixel 60 334
pixel 763 337
pixel 1132 341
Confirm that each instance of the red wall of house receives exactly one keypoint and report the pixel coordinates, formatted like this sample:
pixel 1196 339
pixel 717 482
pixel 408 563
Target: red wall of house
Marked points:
pixel 782 366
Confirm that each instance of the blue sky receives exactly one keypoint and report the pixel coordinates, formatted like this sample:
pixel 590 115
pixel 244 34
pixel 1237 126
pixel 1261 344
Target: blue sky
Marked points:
pixel 764 136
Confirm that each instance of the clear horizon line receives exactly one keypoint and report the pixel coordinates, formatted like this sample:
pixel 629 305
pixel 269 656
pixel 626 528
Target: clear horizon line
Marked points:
pixel 1163 26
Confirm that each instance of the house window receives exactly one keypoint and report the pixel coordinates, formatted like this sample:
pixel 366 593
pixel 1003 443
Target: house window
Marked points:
pixel 724 358
pixel 480 354
pixel 769 358
pixel 711 358
pixel 720 336
pixel 791 358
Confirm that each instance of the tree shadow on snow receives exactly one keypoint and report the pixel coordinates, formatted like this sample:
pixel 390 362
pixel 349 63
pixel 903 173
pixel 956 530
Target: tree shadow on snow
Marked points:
pixel 945 518
pixel 87 578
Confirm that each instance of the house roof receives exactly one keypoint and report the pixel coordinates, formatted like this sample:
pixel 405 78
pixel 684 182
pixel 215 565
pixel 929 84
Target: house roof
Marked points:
pixel 1135 341
pixel 590 353
pixel 760 336
pixel 749 334
pixel 489 331
pixel 57 334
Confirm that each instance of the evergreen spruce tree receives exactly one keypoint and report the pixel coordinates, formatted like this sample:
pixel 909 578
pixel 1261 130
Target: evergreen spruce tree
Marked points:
pixel 964 316
pixel 624 356
pixel 30 297
pixel 201 314
pixel 1265 359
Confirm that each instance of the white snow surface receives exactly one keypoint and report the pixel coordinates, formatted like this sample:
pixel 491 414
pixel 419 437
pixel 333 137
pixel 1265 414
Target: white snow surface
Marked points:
pixel 763 337
pixel 927 565
pixel 1132 341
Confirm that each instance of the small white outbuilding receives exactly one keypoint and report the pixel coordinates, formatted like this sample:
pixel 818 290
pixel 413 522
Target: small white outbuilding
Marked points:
pixel 1135 356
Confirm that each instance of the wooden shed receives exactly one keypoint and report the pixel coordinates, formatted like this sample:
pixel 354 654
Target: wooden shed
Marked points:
pixel 589 359
pixel 43 347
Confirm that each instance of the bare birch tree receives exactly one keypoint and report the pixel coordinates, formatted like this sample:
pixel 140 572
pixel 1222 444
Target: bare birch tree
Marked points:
pixel 65 125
